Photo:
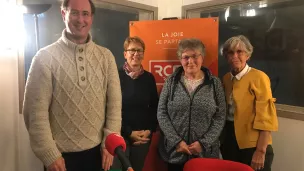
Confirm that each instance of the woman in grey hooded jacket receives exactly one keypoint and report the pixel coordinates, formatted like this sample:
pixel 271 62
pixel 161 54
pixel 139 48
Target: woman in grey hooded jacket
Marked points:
pixel 191 110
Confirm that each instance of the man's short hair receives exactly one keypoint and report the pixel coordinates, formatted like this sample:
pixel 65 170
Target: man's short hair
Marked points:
pixel 65 3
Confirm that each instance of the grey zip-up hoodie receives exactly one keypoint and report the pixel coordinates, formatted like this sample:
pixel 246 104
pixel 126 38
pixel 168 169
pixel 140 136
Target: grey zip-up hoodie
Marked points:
pixel 184 117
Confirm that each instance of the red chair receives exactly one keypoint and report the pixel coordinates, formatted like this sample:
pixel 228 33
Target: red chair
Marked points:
pixel 204 164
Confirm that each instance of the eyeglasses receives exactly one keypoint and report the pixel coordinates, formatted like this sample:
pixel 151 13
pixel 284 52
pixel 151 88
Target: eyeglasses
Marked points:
pixel 76 13
pixel 194 57
pixel 133 51
pixel 238 52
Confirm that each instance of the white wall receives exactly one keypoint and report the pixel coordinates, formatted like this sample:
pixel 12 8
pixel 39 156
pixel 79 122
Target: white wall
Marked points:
pixel 166 8
pixel 288 146
pixel 8 111
pixel 169 8
pixel 189 2
pixel 27 160
pixel 16 154
pixel 147 2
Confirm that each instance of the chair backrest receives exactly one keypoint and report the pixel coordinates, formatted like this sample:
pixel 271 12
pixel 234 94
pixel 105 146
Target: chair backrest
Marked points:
pixel 204 164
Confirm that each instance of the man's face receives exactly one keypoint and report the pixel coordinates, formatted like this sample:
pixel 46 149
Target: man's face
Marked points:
pixel 78 19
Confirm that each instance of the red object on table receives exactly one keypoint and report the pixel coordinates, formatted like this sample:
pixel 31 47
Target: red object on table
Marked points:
pixel 206 164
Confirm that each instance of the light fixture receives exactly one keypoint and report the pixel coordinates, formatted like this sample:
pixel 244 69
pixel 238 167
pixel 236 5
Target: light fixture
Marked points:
pixel 262 4
pixel 227 13
pixel 12 32
pixel 36 9
pixel 250 13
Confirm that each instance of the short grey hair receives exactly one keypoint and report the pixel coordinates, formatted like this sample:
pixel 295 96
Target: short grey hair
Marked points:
pixel 238 41
pixel 192 44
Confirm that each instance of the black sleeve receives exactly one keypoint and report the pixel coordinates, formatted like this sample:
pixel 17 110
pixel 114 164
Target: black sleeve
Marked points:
pixel 153 104
pixel 125 129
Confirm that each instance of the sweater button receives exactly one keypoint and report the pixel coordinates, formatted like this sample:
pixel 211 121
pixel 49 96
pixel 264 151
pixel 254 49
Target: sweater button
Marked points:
pixel 80 58
pixel 82 78
pixel 80 50
pixel 81 68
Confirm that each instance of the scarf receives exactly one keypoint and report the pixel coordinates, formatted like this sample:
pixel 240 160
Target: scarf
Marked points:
pixel 133 74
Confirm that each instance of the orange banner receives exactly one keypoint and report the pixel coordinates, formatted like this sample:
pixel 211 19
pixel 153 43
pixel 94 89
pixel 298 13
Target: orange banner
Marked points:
pixel 162 37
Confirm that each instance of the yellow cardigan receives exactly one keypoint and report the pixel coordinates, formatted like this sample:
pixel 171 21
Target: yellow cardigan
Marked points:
pixel 254 107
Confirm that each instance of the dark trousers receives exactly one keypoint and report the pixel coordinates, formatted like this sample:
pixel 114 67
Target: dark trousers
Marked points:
pixel 175 167
pixel 88 160
pixel 136 154
pixel 231 151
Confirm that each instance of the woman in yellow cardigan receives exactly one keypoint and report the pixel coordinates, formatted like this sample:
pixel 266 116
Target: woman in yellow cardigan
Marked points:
pixel 251 115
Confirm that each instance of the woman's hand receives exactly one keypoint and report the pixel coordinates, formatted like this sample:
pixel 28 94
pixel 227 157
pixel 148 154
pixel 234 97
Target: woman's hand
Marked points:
pixel 195 148
pixel 136 135
pixel 140 137
pixel 182 147
pixel 258 159
pixel 146 133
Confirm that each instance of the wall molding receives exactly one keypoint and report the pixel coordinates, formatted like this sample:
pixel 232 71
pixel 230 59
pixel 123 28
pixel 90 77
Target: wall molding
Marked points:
pixel 213 4
pixel 290 112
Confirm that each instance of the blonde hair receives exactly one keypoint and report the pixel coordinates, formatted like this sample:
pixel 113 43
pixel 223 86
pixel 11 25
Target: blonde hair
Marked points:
pixel 239 41
pixel 134 39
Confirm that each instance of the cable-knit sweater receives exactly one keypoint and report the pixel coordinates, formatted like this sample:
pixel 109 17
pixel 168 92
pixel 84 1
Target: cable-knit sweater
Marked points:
pixel 72 98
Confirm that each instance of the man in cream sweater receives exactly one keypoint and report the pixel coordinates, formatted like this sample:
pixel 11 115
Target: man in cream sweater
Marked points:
pixel 73 97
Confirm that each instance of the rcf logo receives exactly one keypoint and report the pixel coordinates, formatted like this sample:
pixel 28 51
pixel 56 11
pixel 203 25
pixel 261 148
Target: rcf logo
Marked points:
pixel 161 69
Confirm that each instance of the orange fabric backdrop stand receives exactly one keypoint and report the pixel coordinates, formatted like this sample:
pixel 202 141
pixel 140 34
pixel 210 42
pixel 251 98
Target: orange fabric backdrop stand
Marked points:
pixel 161 38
